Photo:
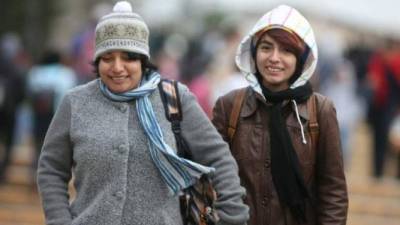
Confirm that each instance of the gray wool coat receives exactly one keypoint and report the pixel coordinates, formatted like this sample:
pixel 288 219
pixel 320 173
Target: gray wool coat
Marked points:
pixel 103 145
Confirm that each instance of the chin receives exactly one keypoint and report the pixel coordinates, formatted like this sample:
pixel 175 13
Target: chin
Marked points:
pixel 275 81
pixel 118 89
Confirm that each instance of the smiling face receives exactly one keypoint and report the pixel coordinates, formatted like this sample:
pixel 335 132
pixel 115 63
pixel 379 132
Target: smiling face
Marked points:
pixel 119 72
pixel 275 62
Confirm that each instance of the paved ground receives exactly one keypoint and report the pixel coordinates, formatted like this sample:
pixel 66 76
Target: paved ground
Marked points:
pixel 372 202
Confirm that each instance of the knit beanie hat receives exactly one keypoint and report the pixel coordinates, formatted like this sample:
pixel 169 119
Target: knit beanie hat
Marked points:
pixel 122 30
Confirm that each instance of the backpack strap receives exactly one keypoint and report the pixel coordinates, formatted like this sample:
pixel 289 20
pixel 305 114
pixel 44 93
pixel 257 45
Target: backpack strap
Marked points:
pixel 313 122
pixel 170 99
pixel 234 116
pixel 197 201
pixel 173 112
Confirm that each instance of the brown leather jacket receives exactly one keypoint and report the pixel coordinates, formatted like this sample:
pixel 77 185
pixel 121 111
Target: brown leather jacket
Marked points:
pixel 322 167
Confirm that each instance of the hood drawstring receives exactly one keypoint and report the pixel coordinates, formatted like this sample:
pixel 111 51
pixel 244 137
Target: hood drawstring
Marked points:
pixel 298 120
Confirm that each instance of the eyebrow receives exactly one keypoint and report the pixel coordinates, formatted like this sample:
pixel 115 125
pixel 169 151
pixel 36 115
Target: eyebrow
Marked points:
pixel 263 41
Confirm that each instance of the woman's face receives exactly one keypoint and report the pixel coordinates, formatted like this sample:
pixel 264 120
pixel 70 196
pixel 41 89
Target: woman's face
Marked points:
pixel 275 63
pixel 118 72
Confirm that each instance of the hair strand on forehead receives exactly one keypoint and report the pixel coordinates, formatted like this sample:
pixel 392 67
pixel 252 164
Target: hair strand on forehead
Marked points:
pixel 290 40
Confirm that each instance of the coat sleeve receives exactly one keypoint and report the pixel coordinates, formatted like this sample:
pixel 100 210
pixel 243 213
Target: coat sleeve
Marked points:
pixel 54 168
pixel 332 198
pixel 208 148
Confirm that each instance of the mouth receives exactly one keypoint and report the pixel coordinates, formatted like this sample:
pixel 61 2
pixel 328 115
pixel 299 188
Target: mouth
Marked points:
pixel 273 69
pixel 118 79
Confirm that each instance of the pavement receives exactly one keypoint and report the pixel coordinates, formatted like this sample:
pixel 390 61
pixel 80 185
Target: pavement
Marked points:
pixel 371 201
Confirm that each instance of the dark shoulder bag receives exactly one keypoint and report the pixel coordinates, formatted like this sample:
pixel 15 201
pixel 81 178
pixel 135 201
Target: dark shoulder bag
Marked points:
pixel 196 201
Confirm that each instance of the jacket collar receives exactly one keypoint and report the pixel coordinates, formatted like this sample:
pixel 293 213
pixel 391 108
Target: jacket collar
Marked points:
pixel 251 102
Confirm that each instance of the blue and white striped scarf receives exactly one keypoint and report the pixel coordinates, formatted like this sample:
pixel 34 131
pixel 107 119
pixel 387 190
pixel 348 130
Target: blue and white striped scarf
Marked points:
pixel 178 173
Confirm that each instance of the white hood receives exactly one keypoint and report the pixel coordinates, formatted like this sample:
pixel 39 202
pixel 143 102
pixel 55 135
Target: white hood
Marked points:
pixel 284 17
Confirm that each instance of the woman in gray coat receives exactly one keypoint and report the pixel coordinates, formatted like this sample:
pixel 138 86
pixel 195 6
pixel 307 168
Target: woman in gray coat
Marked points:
pixel 112 135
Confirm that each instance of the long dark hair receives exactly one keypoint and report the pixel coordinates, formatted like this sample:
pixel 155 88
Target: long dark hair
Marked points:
pixel 147 66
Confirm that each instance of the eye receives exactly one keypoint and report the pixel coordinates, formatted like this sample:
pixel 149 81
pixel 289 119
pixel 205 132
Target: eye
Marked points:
pixel 132 57
pixel 106 58
pixel 125 57
pixel 129 57
pixel 265 47
pixel 287 50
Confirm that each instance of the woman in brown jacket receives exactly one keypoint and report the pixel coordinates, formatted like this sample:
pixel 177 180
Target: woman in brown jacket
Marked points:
pixel 290 176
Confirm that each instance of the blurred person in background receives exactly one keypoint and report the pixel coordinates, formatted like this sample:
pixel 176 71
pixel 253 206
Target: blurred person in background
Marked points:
pixel 113 136
pixel 223 73
pixel 12 86
pixel 168 49
pixel 337 80
pixel 47 83
pixel 82 49
pixel 194 66
pixel 359 54
pixel 394 140
pixel 289 178
pixel 384 80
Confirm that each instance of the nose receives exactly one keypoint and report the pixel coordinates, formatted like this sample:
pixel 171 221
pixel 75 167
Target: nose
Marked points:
pixel 274 56
pixel 118 66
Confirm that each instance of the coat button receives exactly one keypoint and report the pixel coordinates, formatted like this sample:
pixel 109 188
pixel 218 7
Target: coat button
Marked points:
pixel 119 195
pixel 267 163
pixel 264 202
pixel 123 108
pixel 122 149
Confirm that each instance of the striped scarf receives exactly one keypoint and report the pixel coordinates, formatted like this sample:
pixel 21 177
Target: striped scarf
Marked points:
pixel 178 173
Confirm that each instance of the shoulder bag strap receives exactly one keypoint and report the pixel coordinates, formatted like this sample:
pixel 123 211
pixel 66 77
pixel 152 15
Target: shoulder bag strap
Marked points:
pixel 313 123
pixel 170 99
pixel 173 112
pixel 234 116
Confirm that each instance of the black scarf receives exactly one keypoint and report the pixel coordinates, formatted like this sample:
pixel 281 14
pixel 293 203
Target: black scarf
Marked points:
pixel 285 167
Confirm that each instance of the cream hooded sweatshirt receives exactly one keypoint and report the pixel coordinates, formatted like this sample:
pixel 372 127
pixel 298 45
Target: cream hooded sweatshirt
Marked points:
pixel 283 17
pixel 287 18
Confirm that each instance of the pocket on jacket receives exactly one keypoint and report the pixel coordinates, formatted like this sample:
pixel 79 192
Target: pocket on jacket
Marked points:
pixel 305 152
pixel 247 141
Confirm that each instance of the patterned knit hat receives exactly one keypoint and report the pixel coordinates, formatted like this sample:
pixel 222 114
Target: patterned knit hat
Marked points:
pixel 122 30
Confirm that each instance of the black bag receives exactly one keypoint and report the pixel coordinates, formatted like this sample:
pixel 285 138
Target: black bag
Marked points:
pixel 196 201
